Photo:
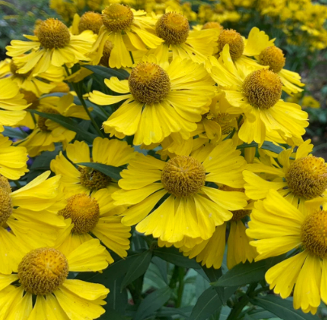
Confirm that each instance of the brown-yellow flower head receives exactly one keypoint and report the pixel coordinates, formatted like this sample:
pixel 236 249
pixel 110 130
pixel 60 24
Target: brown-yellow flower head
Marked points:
pixel 235 41
pixel 5 206
pixel 93 179
pixel 173 28
pixel 4 184
pixel 183 176
pixel 42 120
pixel 149 83
pixel 90 21
pixel 108 46
pixel 212 25
pixel 84 212
pixel 272 57
pixel 52 33
pixel 42 271
pixel 262 88
pixel 117 17
pixel 307 177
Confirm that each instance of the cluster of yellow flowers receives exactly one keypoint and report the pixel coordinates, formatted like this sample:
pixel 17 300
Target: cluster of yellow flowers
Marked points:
pixel 195 127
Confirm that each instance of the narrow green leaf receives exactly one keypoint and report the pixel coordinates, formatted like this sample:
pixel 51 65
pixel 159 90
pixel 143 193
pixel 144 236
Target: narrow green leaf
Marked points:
pixel 112 315
pixel 116 299
pixel 137 268
pixel 167 311
pixel 152 303
pixel 108 72
pixel 14 133
pixel 267 145
pixel 207 304
pixel 282 308
pixel 110 171
pixel 262 314
pixel 173 256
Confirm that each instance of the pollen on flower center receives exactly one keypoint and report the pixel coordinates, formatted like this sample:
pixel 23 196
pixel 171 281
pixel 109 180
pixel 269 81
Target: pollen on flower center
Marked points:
pixel 41 121
pixel 240 214
pixel 173 28
pixel 235 41
pixel 212 25
pixel 5 205
pixel 226 122
pixel 42 271
pixel 149 83
pixel 4 184
pixel 90 21
pixel 314 233
pixel 183 176
pixel 117 17
pixel 52 33
pixel 93 179
pixel 272 57
pixel 84 212
pixel 262 88
pixel 307 177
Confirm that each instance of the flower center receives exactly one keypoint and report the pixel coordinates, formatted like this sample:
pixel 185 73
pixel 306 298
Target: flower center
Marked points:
pixel 212 25
pixel 84 212
pixel 173 28
pixel 149 83
pixel 235 41
pixel 93 179
pixel 52 33
pixel 240 214
pixel 14 68
pixel 41 121
pixel 262 88
pixel 225 120
pixel 90 21
pixel 272 57
pixel 4 184
pixel 42 271
pixel 30 97
pixel 117 17
pixel 5 205
pixel 314 233
pixel 182 176
pixel 307 177
pixel 108 46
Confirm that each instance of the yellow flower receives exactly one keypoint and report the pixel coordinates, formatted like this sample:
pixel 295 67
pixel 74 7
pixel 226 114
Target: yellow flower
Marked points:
pixel 42 275
pixel 25 213
pixel 280 227
pixel 126 29
pixel 191 207
pixel 84 179
pixel 13 160
pixel 53 45
pixel 157 101
pixel 310 102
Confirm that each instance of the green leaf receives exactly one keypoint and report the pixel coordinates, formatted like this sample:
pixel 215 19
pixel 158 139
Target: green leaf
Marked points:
pixel 42 162
pixel 14 133
pixel 108 72
pixel 173 256
pixel 68 124
pixel 152 303
pixel 116 299
pixel 110 171
pixel 167 311
pixel 281 308
pixel 137 268
pixel 207 304
pixel 112 315
pixel 267 145
pixel 261 314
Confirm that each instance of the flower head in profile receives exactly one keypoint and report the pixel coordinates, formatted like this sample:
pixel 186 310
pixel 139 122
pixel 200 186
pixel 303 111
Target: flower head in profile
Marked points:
pixel 179 198
pixel 40 284
pixel 158 101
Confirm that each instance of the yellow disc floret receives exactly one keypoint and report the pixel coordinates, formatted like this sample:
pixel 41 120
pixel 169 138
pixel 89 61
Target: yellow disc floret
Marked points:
pixel 117 17
pixel 93 179
pixel 4 184
pixel 262 88
pixel 90 21
pixel 235 41
pixel 173 28
pixel 272 57
pixel 52 33
pixel 42 271
pixel 84 212
pixel 314 234
pixel 212 25
pixel 108 46
pixel 149 83
pixel 42 120
pixel 307 177
pixel 183 176
pixel 5 206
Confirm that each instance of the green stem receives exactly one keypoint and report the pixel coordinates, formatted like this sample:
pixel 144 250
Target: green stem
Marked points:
pixel 17 184
pixel 181 275
pixel 130 53
pixel 237 309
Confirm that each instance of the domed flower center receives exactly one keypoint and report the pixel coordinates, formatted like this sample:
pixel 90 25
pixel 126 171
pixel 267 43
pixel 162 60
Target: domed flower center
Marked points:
pixel 84 212
pixel 307 177
pixel 42 271
pixel 52 33
pixel 90 21
pixel 212 25
pixel 93 179
pixel 235 41
pixel 149 83
pixel 314 234
pixel 226 122
pixel 240 214
pixel 30 97
pixel 108 46
pixel 4 184
pixel 5 204
pixel 183 176
pixel 262 88
pixel 117 17
pixel 173 28
pixel 272 57
pixel 42 120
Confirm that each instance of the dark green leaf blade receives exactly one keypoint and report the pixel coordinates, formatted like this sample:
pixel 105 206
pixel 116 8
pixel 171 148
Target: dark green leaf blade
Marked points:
pixel 110 171
pixel 108 72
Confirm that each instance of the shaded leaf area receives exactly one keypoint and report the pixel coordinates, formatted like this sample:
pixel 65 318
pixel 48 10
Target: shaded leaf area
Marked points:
pixel 108 72
pixel 267 145
pixel 110 171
